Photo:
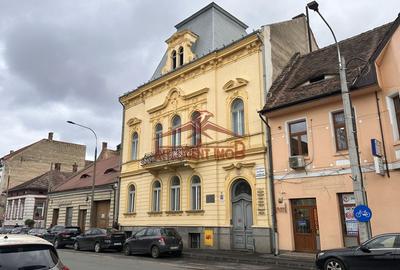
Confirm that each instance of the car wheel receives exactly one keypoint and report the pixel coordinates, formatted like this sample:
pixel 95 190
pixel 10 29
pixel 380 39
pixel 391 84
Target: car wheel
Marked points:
pixel 333 264
pixel 97 248
pixel 155 252
pixel 127 250
pixel 76 246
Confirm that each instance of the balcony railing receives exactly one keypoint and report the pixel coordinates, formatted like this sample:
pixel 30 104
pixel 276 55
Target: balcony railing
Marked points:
pixel 177 154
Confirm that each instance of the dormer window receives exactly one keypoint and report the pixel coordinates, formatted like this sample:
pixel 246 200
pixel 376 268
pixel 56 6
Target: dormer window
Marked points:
pixel 180 53
pixel 110 170
pixel 318 78
pixel 173 56
pixel 85 175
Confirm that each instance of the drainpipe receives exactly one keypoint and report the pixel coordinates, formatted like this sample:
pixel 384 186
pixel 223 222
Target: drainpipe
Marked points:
pixel 381 129
pixel 121 157
pixel 268 157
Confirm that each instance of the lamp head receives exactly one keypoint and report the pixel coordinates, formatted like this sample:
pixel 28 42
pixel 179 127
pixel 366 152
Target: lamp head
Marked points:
pixel 313 6
pixel 70 122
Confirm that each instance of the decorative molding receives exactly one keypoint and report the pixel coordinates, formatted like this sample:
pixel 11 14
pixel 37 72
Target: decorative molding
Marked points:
pixel 174 94
pixel 233 84
pixel 133 121
pixel 239 166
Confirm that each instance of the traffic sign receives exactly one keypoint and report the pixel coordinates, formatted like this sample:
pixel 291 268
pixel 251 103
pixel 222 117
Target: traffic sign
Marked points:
pixel 362 213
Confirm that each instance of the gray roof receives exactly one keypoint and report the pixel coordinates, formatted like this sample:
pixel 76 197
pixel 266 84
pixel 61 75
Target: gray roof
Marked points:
pixel 215 27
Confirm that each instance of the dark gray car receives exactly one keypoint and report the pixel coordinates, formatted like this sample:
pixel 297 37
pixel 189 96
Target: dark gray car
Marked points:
pixel 154 241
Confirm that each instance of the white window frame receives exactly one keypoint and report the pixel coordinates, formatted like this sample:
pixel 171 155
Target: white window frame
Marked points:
pixel 21 208
pixel 156 197
pixel 195 189
pixel 176 131
pixel 131 198
pixel 158 137
pixel 392 115
pixel 238 126
pixel 134 146
pixel 287 133
pixel 175 195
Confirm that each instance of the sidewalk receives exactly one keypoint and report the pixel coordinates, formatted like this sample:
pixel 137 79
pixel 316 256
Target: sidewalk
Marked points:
pixel 293 260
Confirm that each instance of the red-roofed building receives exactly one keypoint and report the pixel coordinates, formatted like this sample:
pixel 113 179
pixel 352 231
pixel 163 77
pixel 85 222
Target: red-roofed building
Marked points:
pixel 69 202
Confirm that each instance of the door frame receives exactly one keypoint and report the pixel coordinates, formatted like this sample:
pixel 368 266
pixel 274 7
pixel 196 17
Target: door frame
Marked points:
pixel 313 222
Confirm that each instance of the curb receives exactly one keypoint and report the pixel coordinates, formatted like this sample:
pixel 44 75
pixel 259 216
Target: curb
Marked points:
pixel 291 262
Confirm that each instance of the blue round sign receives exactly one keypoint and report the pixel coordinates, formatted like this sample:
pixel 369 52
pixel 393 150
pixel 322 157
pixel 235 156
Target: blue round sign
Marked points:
pixel 362 213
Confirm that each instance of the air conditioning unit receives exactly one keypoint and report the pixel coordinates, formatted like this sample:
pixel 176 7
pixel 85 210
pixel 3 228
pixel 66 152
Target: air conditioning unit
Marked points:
pixel 297 162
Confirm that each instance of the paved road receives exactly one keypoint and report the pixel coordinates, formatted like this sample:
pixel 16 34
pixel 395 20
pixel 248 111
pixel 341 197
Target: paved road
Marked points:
pixel 85 260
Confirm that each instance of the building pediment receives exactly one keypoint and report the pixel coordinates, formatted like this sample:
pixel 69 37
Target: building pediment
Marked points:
pixel 133 121
pixel 233 84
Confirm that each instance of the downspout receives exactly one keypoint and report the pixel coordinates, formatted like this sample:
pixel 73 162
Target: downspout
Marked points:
pixel 121 158
pixel 381 130
pixel 268 157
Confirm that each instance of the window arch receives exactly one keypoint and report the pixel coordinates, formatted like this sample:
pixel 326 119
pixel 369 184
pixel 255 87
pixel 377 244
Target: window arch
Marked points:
pixel 158 137
pixel 176 131
pixel 195 187
pixel 131 199
pixel 180 53
pixel 196 129
pixel 135 146
pixel 156 206
pixel 237 110
pixel 175 194
pixel 173 56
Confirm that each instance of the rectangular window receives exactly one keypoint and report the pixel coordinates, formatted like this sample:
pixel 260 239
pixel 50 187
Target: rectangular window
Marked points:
pixel 175 196
pixel 38 211
pixel 21 209
pixel 194 240
pixel 349 223
pixel 15 209
pixel 298 138
pixel 57 166
pixel 68 216
pixel 396 105
pixel 9 208
pixel 156 200
pixel 196 197
pixel 340 131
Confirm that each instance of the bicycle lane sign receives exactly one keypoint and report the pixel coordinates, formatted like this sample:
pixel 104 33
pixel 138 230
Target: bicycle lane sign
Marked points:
pixel 362 213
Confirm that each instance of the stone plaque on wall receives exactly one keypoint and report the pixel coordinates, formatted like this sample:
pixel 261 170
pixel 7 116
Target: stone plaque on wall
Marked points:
pixel 210 198
pixel 260 202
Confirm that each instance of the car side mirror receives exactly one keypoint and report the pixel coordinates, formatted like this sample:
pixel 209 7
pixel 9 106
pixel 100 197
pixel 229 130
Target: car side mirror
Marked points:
pixel 365 249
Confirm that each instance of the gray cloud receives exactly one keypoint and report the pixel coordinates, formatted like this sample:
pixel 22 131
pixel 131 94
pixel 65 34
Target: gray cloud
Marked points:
pixel 64 60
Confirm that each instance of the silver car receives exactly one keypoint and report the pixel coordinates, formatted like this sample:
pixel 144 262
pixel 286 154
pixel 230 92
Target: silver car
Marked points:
pixel 25 252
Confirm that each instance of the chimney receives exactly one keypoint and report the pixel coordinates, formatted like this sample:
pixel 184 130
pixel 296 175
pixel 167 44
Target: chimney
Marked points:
pixel 75 167
pixel 50 137
pixel 104 146
pixel 11 151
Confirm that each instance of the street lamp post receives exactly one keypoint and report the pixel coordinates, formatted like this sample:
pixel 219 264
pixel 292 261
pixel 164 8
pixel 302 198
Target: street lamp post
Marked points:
pixel 94 172
pixel 358 187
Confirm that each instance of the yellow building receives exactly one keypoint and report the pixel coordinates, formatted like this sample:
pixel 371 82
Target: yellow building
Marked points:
pixel 193 143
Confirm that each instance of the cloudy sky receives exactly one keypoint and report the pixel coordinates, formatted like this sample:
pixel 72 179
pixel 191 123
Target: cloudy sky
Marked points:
pixel 71 59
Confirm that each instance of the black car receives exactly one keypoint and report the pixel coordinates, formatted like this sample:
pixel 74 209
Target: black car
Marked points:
pixel 154 241
pixel 99 239
pixel 61 235
pixel 380 252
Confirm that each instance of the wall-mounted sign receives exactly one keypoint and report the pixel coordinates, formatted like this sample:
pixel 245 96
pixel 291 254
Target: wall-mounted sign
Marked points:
pixel 210 198
pixel 260 201
pixel 379 167
pixel 376 147
pixel 260 172
pixel 208 237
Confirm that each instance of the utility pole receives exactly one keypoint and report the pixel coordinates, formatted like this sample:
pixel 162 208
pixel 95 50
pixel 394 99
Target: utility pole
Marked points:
pixel 354 158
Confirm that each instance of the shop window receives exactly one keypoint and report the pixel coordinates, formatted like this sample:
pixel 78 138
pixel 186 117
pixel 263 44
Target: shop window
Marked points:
pixel 298 138
pixel 68 216
pixel 194 240
pixel 340 131
pixel 349 222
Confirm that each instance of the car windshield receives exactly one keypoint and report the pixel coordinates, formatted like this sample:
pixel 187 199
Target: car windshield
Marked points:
pixel 169 232
pixel 31 257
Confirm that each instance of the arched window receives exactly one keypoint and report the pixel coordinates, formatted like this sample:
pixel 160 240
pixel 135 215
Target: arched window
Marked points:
pixel 196 192
pixel 196 129
pixel 175 194
pixel 131 199
pixel 180 53
pixel 135 145
pixel 176 131
pixel 156 196
pixel 173 56
pixel 238 117
pixel 158 138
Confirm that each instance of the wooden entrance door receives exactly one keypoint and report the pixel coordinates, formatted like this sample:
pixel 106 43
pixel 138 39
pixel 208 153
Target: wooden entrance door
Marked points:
pixel 82 219
pixel 54 220
pixel 102 214
pixel 305 224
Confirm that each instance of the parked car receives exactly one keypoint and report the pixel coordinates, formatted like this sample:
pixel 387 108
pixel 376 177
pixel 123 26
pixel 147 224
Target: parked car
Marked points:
pixel 5 230
pixel 20 230
pixel 99 239
pixel 380 252
pixel 28 252
pixel 37 232
pixel 154 241
pixel 61 235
